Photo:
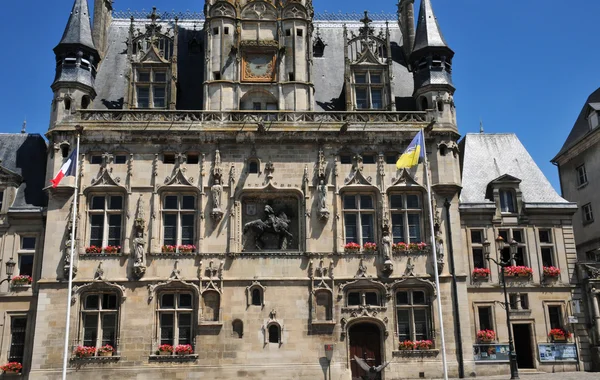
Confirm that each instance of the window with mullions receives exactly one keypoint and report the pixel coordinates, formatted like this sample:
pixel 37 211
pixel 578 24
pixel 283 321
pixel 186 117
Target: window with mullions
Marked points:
pixel 151 88
pixel 99 320
pixel 368 89
pixel 359 213
pixel 26 255
pixel 517 235
pixel 179 214
pixel 106 218
pixel 413 315
pixel 477 249
pixel 407 211
pixel 18 329
pixel 175 317
pixel 363 298
pixel 546 247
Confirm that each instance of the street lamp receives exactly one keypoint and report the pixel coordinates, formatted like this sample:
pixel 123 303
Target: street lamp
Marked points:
pixel 501 244
pixel 10 268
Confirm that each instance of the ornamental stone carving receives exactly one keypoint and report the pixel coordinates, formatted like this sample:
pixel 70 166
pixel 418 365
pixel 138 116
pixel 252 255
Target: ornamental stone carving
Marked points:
pixel 139 242
pixel 217 189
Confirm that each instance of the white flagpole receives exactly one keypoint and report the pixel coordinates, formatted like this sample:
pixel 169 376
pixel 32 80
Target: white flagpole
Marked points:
pixel 70 287
pixel 435 260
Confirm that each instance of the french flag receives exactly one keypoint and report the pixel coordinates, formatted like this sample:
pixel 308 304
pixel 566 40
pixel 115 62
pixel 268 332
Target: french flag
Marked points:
pixel 68 169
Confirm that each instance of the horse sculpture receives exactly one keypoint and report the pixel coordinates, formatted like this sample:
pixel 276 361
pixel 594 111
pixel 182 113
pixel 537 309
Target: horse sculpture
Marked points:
pixel 274 224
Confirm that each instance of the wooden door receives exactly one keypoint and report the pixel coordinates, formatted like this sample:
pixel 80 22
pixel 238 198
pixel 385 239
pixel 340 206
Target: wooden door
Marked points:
pixel 365 342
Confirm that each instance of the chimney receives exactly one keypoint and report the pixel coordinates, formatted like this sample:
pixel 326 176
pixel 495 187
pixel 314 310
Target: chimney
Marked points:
pixel 406 19
pixel 102 19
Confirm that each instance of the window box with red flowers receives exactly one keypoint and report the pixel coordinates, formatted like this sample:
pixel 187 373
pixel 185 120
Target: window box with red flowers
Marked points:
pixel 486 336
pixel 108 250
pixel 165 349
pixel 352 247
pixel 106 350
pixel 186 249
pixel 370 247
pixel 551 272
pixel 21 281
pixel 423 345
pixel 559 335
pixel 518 271
pixel 481 273
pixel 184 349
pixel 12 367
pixel 406 345
pixel 84 352
pixel 414 248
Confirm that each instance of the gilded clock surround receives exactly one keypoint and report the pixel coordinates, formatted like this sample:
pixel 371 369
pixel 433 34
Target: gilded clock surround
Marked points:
pixel 252 72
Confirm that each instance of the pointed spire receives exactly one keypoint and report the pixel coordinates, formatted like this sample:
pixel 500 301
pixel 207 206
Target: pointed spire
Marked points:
pixel 79 30
pixel 24 127
pixel 428 32
pixel 481 126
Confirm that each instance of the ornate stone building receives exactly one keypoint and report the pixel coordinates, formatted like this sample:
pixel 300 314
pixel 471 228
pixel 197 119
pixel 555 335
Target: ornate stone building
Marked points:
pixel 239 195
pixel 578 162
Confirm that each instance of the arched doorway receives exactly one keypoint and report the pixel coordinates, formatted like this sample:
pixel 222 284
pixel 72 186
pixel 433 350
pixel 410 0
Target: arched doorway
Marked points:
pixel 365 343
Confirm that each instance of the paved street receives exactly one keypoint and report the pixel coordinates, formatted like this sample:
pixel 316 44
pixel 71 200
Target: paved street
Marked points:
pixel 551 376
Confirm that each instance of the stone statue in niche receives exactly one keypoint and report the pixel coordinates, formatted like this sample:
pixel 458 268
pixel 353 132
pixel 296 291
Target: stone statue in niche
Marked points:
pixel 67 260
pixel 439 249
pixel 386 246
pixel 272 223
pixel 139 243
pixel 323 210
pixel 217 189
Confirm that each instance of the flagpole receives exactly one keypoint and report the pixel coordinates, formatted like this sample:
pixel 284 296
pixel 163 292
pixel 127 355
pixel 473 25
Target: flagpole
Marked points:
pixel 70 287
pixel 435 260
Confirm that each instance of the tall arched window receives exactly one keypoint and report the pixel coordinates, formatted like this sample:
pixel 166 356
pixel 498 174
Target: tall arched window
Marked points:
pixel 413 313
pixel 274 334
pixel 105 221
pixel 407 217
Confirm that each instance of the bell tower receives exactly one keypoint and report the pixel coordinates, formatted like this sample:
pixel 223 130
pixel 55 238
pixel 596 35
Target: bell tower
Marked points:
pixel 76 62
pixel 259 55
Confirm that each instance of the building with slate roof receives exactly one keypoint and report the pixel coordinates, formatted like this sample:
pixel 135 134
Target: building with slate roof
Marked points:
pixel 22 219
pixel 241 209
pixel 578 161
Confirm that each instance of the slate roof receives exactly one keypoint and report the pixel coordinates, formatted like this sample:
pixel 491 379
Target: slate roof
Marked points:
pixel 328 71
pixel 25 155
pixel 486 157
pixel 428 33
pixel 78 30
pixel 581 127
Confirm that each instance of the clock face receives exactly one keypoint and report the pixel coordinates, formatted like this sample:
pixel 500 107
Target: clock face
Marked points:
pixel 258 67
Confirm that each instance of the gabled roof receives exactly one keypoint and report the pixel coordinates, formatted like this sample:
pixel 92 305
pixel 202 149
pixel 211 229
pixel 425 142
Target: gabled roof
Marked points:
pixel 581 127
pixel 428 32
pixel 493 158
pixel 24 155
pixel 78 30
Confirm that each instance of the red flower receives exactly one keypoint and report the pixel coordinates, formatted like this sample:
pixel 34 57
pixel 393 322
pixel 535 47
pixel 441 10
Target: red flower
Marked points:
pixel 84 351
pixel 184 349
pixel 551 272
pixel 481 272
pixel 12 367
pixel 407 345
pixel 486 335
pixel 352 246
pixel 165 348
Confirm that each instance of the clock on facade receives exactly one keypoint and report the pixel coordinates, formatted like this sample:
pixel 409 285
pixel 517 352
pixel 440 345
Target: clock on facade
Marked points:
pixel 258 67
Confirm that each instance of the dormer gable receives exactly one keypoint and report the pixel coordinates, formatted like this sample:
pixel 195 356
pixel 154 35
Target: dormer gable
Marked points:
pixel 505 192
pixel 593 115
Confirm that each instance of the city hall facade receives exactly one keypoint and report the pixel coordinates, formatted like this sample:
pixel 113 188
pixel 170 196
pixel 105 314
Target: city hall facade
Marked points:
pixel 240 207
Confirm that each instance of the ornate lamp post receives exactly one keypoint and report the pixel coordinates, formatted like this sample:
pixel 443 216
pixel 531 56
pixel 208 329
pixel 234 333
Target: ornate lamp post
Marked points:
pixel 500 244
pixel 10 268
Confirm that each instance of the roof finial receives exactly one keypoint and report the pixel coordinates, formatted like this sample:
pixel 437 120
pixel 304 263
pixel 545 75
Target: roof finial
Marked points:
pixel 24 126
pixel 480 126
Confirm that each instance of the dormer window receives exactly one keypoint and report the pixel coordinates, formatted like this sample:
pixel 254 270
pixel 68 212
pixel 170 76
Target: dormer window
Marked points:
pixel 507 201
pixel 368 89
pixel 151 88
pixel 594 115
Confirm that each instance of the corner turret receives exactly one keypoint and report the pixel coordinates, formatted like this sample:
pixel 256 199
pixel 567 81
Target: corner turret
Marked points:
pixel 431 61
pixel 76 61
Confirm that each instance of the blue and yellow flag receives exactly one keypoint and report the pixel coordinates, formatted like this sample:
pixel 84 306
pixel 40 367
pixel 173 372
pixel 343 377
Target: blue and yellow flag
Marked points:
pixel 414 154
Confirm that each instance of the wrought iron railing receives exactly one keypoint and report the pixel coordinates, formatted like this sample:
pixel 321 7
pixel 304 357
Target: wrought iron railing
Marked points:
pixel 199 15
pixel 267 117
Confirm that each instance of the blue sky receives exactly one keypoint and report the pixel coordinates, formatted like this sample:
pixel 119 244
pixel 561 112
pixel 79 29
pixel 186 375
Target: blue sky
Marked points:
pixel 520 66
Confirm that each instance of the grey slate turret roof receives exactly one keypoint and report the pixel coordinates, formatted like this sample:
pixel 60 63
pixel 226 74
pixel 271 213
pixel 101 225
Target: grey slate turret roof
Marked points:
pixel 486 157
pixel 581 128
pixel 428 32
pixel 25 155
pixel 78 30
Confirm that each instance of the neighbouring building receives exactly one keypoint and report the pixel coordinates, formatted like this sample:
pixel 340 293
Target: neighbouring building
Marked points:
pixel 239 203
pixel 22 222
pixel 578 162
